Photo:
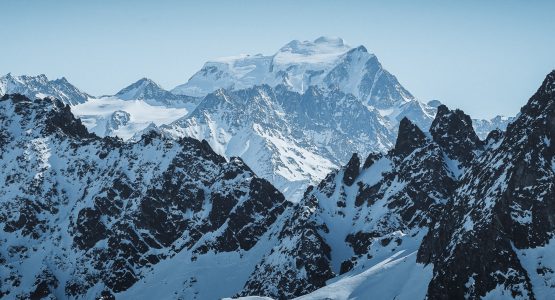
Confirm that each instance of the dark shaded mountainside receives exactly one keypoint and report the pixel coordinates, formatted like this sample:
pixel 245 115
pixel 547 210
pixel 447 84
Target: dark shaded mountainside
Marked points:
pixel 84 217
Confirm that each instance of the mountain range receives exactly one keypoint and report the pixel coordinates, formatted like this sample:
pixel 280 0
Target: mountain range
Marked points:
pixel 255 180
pixel 292 117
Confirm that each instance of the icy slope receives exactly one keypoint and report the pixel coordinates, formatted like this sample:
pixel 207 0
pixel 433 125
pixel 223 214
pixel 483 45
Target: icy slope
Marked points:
pixel 110 116
pixel 140 105
pixel 397 277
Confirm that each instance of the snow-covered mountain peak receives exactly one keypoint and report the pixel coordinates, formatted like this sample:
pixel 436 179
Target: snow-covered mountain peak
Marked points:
pixel 47 115
pixel 434 103
pixel 61 80
pixel 39 87
pixel 321 44
pixel 330 40
pixel 322 51
pixel 325 62
pixel 144 88
pixel 147 82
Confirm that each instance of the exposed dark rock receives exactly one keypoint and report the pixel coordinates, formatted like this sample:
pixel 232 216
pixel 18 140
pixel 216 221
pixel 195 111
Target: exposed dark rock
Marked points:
pixel 371 159
pixel 505 205
pixel 410 138
pixel 126 211
pixel 453 132
pixel 89 228
pixel 494 137
pixel 351 170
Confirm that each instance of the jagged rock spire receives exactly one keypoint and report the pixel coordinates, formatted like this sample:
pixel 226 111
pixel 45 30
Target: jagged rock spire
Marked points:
pixel 452 130
pixel 352 170
pixel 409 138
pixel 548 85
pixel 543 98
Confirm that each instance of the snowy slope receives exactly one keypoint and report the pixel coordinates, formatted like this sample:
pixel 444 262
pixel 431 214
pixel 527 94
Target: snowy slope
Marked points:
pixel 110 116
pixel 133 109
pixel 397 277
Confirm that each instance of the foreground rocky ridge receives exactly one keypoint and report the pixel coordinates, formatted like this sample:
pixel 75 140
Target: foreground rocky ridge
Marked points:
pixel 501 214
pixel 492 237
pixel 84 216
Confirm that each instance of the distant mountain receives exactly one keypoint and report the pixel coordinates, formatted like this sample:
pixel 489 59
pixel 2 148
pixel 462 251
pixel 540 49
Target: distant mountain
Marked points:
pixel 291 139
pixel 39 87
pixel 154 94
pixel 483 127
pixel 144 88
pixel 326 63
pixel 297 114
pixel 134 108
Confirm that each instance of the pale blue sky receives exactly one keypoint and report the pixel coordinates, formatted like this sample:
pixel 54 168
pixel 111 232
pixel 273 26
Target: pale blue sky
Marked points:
pixel 485 57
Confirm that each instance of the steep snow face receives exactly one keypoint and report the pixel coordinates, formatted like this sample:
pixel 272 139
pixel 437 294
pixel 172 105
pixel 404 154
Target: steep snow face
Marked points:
pixel 397 277
pixel 87 217
pixel 326 62
pixel 110 116
pixel 290 139
pixel 39 86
